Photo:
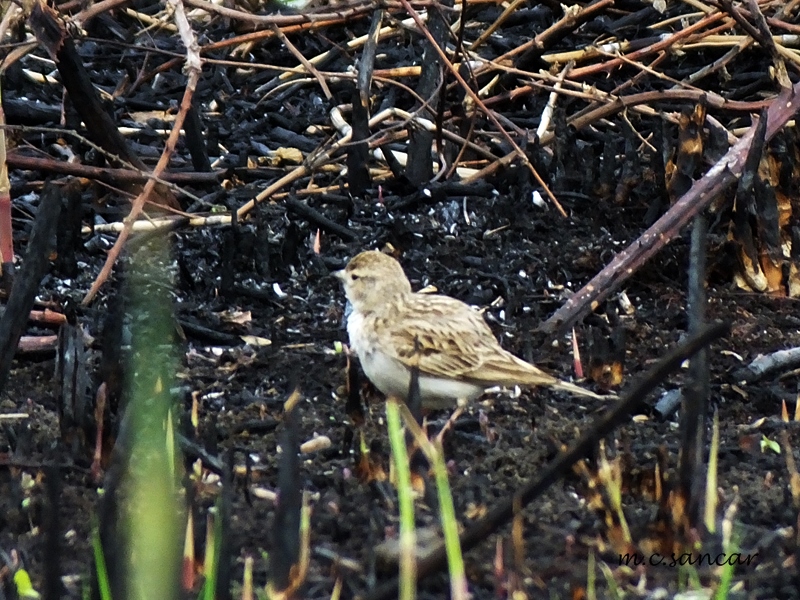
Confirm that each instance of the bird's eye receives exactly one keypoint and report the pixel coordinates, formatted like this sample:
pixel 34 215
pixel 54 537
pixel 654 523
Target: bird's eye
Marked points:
pixel 353 276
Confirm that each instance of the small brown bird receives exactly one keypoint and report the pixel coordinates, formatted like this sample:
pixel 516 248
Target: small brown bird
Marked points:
pixel 391 328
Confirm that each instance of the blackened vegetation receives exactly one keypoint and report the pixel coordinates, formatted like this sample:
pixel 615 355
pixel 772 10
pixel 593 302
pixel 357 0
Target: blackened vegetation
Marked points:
pixel 26 284
pixel 462 209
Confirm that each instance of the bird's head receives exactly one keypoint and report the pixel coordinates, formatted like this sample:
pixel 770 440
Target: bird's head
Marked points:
pixel 371 279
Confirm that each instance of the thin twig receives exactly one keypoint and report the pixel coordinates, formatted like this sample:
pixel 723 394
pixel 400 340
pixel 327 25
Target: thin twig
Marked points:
pixel 193 69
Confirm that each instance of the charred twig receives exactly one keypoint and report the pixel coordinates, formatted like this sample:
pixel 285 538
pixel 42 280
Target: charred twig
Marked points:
pixel 285 579
pixel 27 282
pixel 358 176
pixel 52 35
pixel 768 365
pixel 419 169
pixel 304 210
pixel 759 32
pixel 695 395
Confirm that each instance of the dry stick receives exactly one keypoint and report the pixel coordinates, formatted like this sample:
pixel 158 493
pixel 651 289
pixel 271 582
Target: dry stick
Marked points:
pixel 30 344
pixel 281 20
pixel 303 60
pixel 6 229
pixel 475 98
pixel 496 25
pixel 619 103
pixel 292 176
pixel 789 7
pixel 718 32
pixel 507 509
pixel 107 176
pixel 193 68
pixel 47 317
pixel 158 21
pixel 9 17
pixel 110 175
pixel 696 4
pixel 601 49
pixel 611 104
pixel 170 222
pixel 258 36
pixel 382 34
pixel 701 194
pixel 323 155
pixel 717 38
pixel 223 220
pixel 649 69
pixel 761 33
pixel 237 40
pixel 721 62
pixel 657 47
pixel 550 107
pixel 780 24
pixel 568 21
pixel 94 9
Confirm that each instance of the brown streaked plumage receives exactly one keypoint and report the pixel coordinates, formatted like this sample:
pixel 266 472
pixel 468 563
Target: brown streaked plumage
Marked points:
pixel 458 356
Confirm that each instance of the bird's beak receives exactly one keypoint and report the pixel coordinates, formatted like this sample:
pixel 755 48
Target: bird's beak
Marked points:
pixel 340 275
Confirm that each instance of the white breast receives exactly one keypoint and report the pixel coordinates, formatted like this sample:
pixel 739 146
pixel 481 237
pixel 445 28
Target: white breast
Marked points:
pixel 392 378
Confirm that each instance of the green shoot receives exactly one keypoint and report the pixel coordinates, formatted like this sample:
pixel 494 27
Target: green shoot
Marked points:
pixel 405 497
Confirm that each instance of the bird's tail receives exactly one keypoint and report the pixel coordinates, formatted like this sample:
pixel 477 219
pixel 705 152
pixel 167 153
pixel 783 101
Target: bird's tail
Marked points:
pixel 579 391
pixel 508 370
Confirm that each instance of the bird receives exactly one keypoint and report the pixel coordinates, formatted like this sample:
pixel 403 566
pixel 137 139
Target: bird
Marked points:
pixel 392 329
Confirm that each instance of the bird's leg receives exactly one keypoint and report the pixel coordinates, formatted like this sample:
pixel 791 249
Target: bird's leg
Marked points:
pixel 447 426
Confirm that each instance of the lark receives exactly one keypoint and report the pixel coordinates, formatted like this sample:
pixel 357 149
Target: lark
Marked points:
pixel 392 328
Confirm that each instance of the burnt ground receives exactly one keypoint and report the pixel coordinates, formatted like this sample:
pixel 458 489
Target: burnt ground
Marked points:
pixel 490 246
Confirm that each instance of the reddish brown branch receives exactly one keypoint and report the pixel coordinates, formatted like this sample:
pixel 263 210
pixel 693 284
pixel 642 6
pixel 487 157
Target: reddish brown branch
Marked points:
pixel 639 54
pixel 47 316
pixel 567 23
pixel 620 103
pixel 6 231
pixel 110 176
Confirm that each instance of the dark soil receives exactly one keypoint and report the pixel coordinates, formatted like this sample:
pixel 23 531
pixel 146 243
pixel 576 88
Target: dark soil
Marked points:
pixel 497 250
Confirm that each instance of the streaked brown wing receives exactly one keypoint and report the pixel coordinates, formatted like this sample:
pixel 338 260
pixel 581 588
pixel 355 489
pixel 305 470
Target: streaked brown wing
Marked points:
pixel 453 339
